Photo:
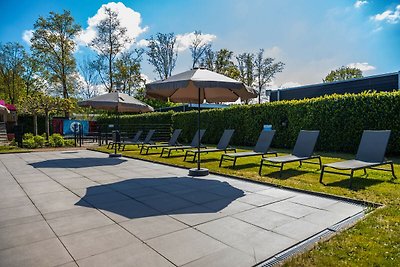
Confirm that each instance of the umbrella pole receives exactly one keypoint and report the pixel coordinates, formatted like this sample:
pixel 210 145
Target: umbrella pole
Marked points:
pixel 198 128
pixel 198 171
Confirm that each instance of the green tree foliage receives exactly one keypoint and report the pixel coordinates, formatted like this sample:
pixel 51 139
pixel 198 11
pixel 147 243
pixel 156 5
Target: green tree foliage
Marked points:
pixel 41 104
pixel 198 49
pixel 265 70
pixel 155 103
pixel 110 41
pixel 127 71
pixel 53 45
pixel 12 57
pixel 162 53
pixel 343 73
pixel 245 65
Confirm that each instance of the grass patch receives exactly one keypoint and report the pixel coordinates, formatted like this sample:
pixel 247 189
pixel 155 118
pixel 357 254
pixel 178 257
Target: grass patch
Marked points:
pixel 374 241
pixel 12 149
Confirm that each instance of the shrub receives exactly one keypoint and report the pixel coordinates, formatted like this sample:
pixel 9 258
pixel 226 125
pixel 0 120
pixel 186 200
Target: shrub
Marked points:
pixel 28 136
pixel 69 142
pixel 340 118
pixel 29 143
pixel 56 140
pixel 39 140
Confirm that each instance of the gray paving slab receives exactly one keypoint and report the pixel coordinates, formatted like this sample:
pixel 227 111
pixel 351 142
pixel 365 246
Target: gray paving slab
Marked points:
pixel 150 227
pixel 94 241
pixel 132 255
pixel 184 246
pixel 45 253
pixel 124 212
pixel 23 234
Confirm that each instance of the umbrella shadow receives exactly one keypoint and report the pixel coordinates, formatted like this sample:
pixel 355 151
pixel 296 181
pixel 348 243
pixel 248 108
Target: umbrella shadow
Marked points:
pixel 146 197
pixel 77 162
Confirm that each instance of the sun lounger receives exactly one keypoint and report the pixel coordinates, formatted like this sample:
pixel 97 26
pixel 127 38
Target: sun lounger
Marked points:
pixel 147 140
pixel 303 151
pixel 222 146
pixel 370 154
pixel 261 149
pixel 193 144
pixel 134 139
pixel 173 141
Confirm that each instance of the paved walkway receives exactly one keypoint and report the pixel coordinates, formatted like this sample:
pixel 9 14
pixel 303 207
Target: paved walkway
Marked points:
pixel 83 208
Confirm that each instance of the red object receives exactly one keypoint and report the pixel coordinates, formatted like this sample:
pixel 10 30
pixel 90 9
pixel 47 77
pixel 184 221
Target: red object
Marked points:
pixel 10 136
pixel 57 125
pixel 9 106
pixel 92 126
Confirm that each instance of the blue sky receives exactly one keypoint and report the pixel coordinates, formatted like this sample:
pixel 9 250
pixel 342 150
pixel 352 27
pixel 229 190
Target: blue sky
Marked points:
pixel 311 37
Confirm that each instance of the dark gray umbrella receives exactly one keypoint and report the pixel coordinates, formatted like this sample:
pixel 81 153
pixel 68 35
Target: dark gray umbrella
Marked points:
pixel 118 102
pixel 199 85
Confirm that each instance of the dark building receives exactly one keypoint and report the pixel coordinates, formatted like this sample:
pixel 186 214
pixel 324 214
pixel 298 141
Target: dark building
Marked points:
pixel 189 107
pixel 379 83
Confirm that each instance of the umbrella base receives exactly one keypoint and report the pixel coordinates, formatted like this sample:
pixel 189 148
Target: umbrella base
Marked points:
pixel 114 155
pixel 198 172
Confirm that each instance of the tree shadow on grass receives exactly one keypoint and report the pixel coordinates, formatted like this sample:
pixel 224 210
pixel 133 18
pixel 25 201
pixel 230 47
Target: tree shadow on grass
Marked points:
pixel 78 162
pixel 146 197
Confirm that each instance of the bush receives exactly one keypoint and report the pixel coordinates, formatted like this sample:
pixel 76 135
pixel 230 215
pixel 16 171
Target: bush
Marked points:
pixel 28 136
pixel 340 118
pixel 56 140
pixel 29 143
pixel 39 140
pixel 69 142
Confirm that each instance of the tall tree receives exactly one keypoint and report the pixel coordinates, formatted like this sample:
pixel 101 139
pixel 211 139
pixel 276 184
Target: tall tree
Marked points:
pixel 343 73
pixel 12 56
pixel 208 60
pixel 198 47
pixel 90 78
pixel 265 70
pixel 162 53
pixel 32 75
pixel 110 41
pixel 53 45
pixel 127 71
pixel 223 63
pixel 245 64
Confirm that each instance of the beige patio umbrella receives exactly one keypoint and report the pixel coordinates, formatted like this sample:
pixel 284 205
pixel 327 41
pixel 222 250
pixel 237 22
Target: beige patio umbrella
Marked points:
pixel 118 102
pixel 196 86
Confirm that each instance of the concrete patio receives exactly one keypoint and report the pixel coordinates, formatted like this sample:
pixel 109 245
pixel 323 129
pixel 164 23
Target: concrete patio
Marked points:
pixel 81 208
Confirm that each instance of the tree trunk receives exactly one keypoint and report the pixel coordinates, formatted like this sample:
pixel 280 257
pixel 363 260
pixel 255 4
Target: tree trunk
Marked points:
pixel 35 126
pixel 47 125
pixel 259 95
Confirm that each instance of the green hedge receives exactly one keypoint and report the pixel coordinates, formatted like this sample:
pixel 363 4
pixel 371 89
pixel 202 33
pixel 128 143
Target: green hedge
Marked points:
pixel 340 118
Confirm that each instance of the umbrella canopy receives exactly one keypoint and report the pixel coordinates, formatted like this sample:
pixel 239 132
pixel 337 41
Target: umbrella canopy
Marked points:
pixel 214 87
pixel 197 85
pixel 116 101
pixel 4 109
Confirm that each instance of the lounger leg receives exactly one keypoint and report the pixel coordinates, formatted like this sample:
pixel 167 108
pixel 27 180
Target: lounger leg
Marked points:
pixel 194 156
pixel 260 169
pixel 351 179
pixel 301 163
pixel 394 175
pixel 147 150
pixel 365 171
pixel 141 150
pixel 280 171
pixel 234 162
pixel 322 175
pixel 221 159
pixel 169 153
pixel 320 162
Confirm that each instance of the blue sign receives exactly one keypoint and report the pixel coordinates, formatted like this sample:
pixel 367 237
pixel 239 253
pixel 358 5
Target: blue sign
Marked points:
pixel 70 126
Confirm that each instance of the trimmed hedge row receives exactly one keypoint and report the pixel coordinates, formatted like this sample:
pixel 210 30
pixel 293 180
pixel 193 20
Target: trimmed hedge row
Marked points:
pixel 340 118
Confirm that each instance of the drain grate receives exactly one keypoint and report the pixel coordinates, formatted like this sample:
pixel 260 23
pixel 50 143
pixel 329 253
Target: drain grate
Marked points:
pixel 347 222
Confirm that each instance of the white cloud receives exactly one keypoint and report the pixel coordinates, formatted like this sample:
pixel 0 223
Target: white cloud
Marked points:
pixel 129 18
pixel 142 43
pixel 362 66
pixel 359 3
pixel 183 41
pixel 273 52
pixel 27 36
pixel 389 16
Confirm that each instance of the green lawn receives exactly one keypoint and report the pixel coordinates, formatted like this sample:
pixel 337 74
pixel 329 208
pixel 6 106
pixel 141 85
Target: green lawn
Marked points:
pixel 374 241
pixel 11 149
